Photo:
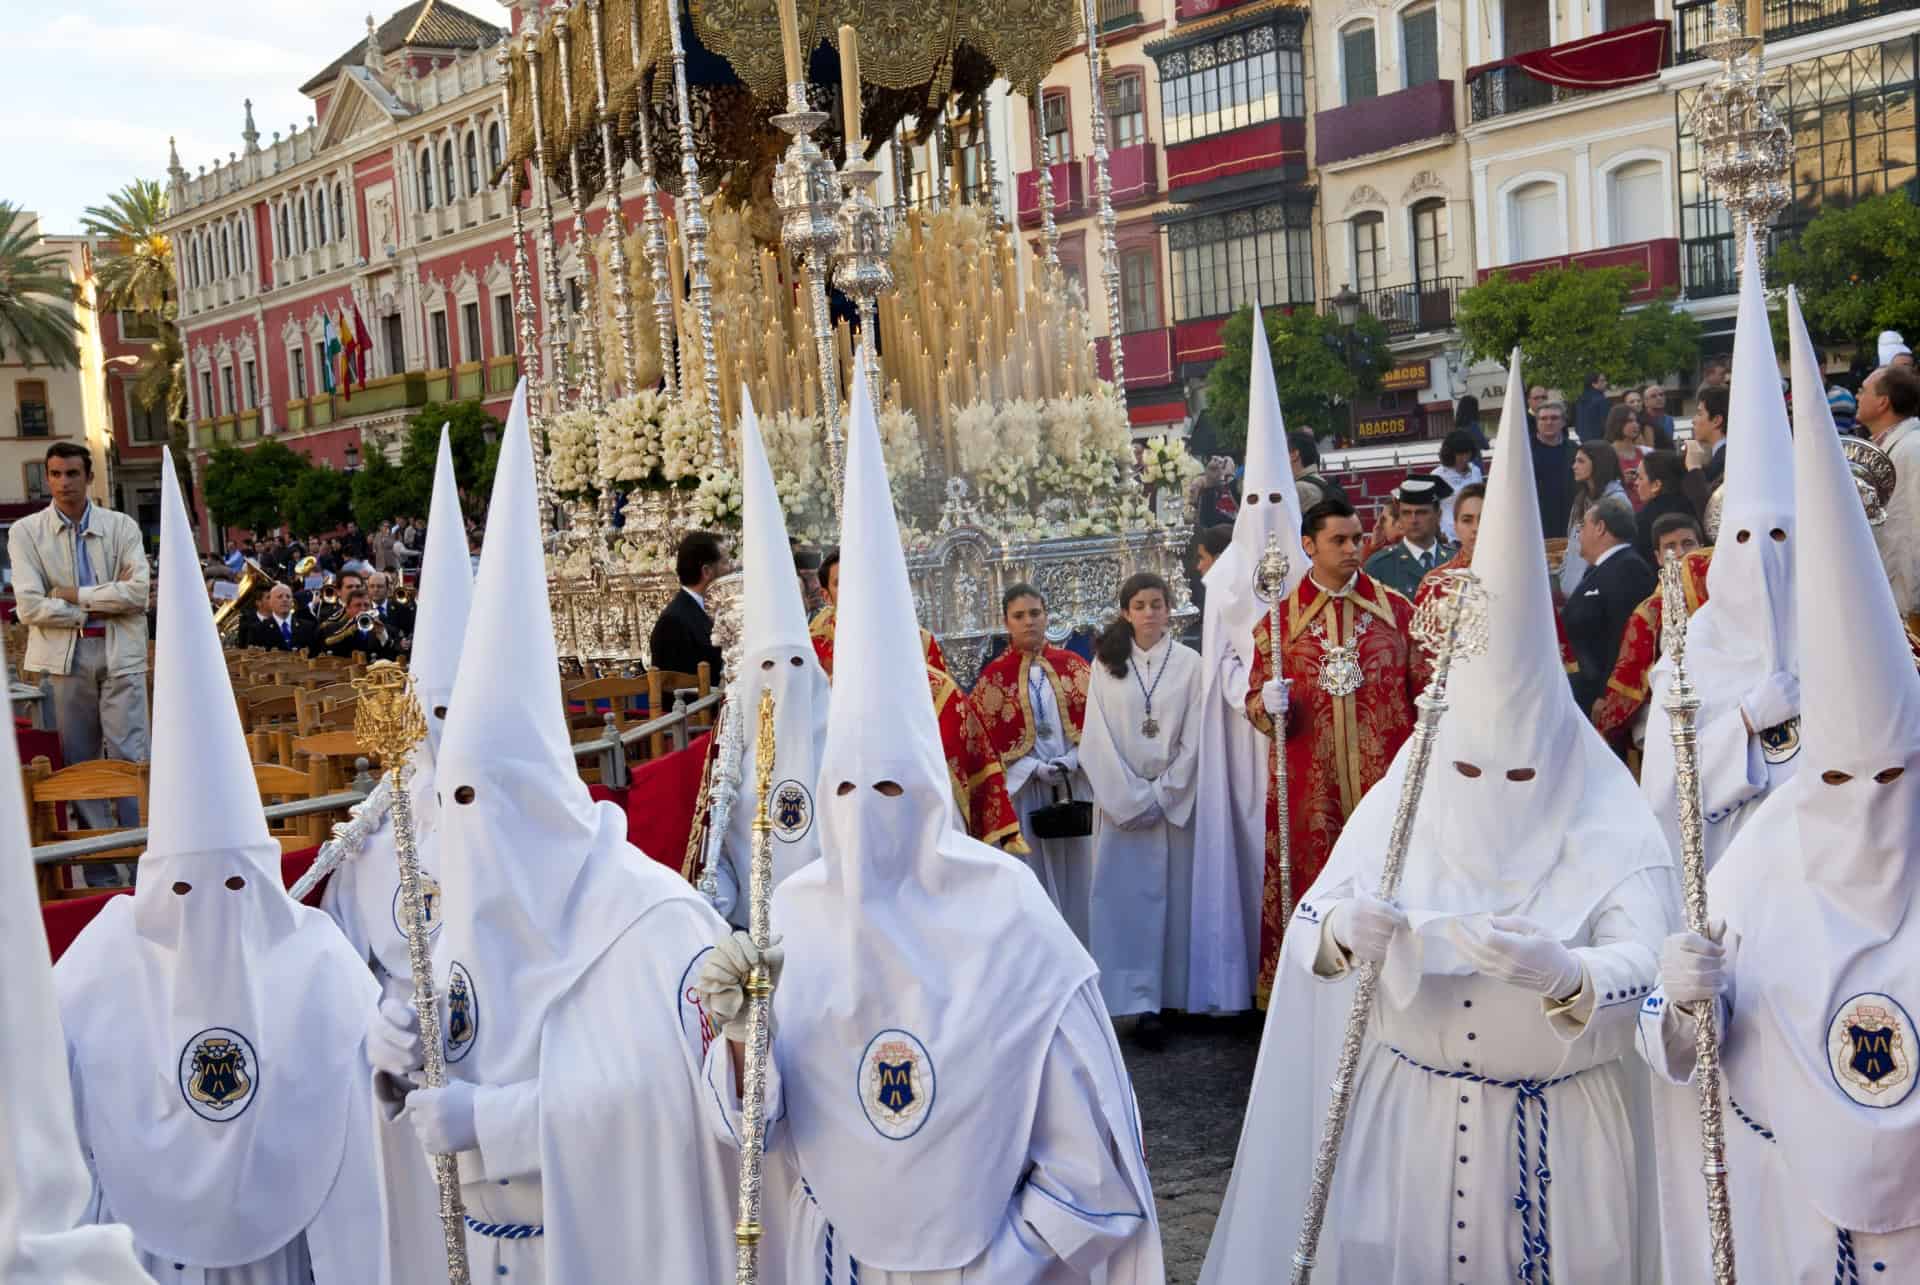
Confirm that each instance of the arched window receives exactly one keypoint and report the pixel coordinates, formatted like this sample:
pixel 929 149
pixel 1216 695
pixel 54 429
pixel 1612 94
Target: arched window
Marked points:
pixel 473 162
pixel 240 244
pixel 449 187
pixel 495 156
pixel 1358 70
pixel 426 178
pixel 1369 251
pixel 286 241
pixel 226 253
pixel 320 217
pixel 1533 216
pixel 1429 240
pixel 302 221
pixel 1637 201
pixel 193 265
pixel 340 210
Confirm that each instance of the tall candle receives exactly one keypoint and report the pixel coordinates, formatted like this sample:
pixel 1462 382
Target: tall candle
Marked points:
pixel 850 90
pixel 790 40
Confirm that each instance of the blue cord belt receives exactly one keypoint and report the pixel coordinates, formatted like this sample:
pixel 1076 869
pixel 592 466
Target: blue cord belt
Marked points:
pixel 506 1231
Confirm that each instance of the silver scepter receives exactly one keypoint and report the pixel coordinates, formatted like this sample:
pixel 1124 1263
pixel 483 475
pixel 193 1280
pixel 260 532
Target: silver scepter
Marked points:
pixel 390 723
pixel 1683 706
pixel 347 840
pixel 753 1095
pixel 1453 623
pixel 1270 580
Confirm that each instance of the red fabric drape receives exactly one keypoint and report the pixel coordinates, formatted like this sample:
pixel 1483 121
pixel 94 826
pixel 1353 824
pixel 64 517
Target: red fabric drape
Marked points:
pixel 64 920
pixel 1607 61
pixel 659 803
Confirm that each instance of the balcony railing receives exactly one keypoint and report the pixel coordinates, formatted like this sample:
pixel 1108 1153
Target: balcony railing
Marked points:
pixel 1783 19
pixel 1148 354
pixel 1412 309
pixel 1636 54
pixel 1658 260
pixel 1389 121
pixel 1187 10
pixel 1069 193
pixel 1118 15
pixel 1134 172
pixel 1507 91
pixel 390 392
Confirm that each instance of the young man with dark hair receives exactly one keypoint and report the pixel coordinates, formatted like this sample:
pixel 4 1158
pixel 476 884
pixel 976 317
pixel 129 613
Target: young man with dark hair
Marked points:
pixel 1706 455
pixel 1590 412
pixel 683 636
pixel 80 579
pixel 1341 696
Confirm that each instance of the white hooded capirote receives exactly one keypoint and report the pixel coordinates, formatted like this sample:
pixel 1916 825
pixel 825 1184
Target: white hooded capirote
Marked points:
pixel 776 655
pixel 948 1102
pixel 1525 813
pixel 1822 967
pixel 1741 653
pixel 363 894
pixel 44 1187
pixel 1890 345
pixel 1229 824
pixel 214 1025
pixel 564 961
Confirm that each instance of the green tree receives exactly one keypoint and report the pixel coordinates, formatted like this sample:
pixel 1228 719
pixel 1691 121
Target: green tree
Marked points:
pixel 381 490
pixel 248 488
pixel 37 298
pixel 1311 366
pixel 1568 322
pixel 1853 266
pixel 136 273
pixel 320 499
pixel 471 433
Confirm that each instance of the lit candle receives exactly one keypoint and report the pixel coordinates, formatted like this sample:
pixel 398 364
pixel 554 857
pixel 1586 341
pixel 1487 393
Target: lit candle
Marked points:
pixel 790 40
pixel 850 90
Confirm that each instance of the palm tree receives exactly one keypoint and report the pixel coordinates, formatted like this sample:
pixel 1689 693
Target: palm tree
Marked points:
pixel 137 272
pixel 36 295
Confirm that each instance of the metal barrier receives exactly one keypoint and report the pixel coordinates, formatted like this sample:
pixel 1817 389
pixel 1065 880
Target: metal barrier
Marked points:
pixel 609 748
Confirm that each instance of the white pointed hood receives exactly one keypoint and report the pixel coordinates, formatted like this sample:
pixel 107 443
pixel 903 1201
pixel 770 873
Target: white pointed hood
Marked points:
pixel 44 1186
pixel 228 1056
pixel 1819 889
pixel 1745 631
pixel 777 656
pixel 445 598
pixel 1525 810
pixel 534 873
pixel 1891 345
pixel 925 952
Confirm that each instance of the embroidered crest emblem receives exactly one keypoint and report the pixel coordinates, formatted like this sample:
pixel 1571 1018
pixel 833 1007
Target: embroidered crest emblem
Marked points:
pixel 1870 1050
pixel 429 905
pixel 1778 744
pixel 463 1013
pixel 792 811
pixel 896 1084
pixel 1340 671
pixel 218 1074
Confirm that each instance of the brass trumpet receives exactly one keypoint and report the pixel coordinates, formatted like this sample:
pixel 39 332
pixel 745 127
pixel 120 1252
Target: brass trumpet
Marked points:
pixel 254 583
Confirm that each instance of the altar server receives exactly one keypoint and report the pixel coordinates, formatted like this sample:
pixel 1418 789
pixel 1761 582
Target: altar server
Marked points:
pixel 363 894
pixel 778 656
pixel 572 1039
pixel 1817 970
pixel 44 1187
pixel 1535 895
pixel 1139 751
pixel 1232 895
pixel 214 1025
pixel 947 1102
pixel 1741 653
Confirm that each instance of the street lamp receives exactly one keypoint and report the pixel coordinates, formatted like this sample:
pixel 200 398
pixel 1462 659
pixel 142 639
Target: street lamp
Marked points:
pixel 1346 306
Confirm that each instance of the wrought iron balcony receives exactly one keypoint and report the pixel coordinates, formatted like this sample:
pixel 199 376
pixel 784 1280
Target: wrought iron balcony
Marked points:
pixel 1507 91
pixel 1614 59
pixel 1411 309
pixel 1069 193
pixel 1118 15
pixel 1783 19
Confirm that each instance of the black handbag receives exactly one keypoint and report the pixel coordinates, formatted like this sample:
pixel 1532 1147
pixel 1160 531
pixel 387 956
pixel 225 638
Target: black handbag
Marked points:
pixel 1071 819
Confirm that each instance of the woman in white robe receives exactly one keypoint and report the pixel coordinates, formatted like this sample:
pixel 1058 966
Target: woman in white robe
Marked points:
pixel 1139 751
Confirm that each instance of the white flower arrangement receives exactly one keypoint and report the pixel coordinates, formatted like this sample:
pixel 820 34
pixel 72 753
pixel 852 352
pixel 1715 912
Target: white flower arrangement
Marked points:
pixel 683 445
pixel 630 435
pixel 1166 460
pixel 571 466
pixel 717 502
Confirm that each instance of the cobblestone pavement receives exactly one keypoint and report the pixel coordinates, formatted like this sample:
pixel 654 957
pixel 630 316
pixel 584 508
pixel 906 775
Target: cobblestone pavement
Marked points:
pixel 1192 1094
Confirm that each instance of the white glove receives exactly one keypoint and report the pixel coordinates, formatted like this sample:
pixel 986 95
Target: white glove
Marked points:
pixel 1772 701
pixel 1693 968
pixel 393 1041
pixel 1273 696
pixel 722 983
pixel 443 1118
pixel 1364 926
pixel 1519 952
pixel 1049 773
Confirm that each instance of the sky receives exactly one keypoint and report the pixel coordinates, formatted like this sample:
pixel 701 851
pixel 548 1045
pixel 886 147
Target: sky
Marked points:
pixel 94 87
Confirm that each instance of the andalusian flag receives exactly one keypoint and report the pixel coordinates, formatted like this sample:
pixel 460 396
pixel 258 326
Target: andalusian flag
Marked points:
pixel 347 347
pixel 329 352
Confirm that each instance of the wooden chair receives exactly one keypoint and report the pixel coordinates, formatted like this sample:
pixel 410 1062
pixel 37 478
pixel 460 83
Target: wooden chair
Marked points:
pixel 333 753
pixel 284 785
pixel 47 798
pixel 630 701
pixel 662 687
pixel 326 709
pixel 279 710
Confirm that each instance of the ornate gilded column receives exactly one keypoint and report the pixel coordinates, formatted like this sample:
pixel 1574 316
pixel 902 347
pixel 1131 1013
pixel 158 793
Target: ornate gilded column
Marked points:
pixel 808 193
pixel 693 226
pixel 523 314
pixel 616 224
pixel 1043 190
pixel 1746 150
pixel 1103 188
pixel 555 332
pixel 654 222
pixel 577 201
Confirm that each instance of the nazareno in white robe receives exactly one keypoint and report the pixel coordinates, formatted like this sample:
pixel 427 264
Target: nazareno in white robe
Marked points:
pixel 1083 1211
pixel 1143 878
pixel 1063 866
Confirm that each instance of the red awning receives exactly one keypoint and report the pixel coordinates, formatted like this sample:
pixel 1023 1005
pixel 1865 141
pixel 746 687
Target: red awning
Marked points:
pixel 1624 56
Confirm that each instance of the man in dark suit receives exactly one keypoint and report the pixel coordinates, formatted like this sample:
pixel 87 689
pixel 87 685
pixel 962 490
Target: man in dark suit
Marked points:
pixel 1617 581
pixel 396 616
pixel 343 635
pixel 683 636
pixel 277 626
pixel 1706 455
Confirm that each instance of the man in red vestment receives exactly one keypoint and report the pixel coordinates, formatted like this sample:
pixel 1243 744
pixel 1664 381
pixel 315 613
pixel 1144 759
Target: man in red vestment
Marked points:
pixel 1346 682
pixel 1627 688
pixel 979 782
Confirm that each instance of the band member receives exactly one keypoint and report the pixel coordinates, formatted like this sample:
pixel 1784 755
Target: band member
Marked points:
pixel 1535 892
pixel 1814 958
pixel 353 630
pixel 572 1037
pixel 987 1130
pixel 214 1025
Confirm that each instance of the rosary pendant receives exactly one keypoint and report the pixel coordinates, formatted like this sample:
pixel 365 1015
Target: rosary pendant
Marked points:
pixel 1151 727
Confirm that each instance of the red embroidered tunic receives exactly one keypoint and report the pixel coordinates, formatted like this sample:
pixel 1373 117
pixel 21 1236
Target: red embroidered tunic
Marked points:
pixel 1004 701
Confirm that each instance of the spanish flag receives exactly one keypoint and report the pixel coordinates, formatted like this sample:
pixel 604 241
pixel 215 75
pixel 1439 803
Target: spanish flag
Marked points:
pixel 348 345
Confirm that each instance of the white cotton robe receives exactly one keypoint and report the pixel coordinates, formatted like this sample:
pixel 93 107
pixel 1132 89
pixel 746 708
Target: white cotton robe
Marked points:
pixel 1081 1213
pixel 1143 876
pixel 1063 866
